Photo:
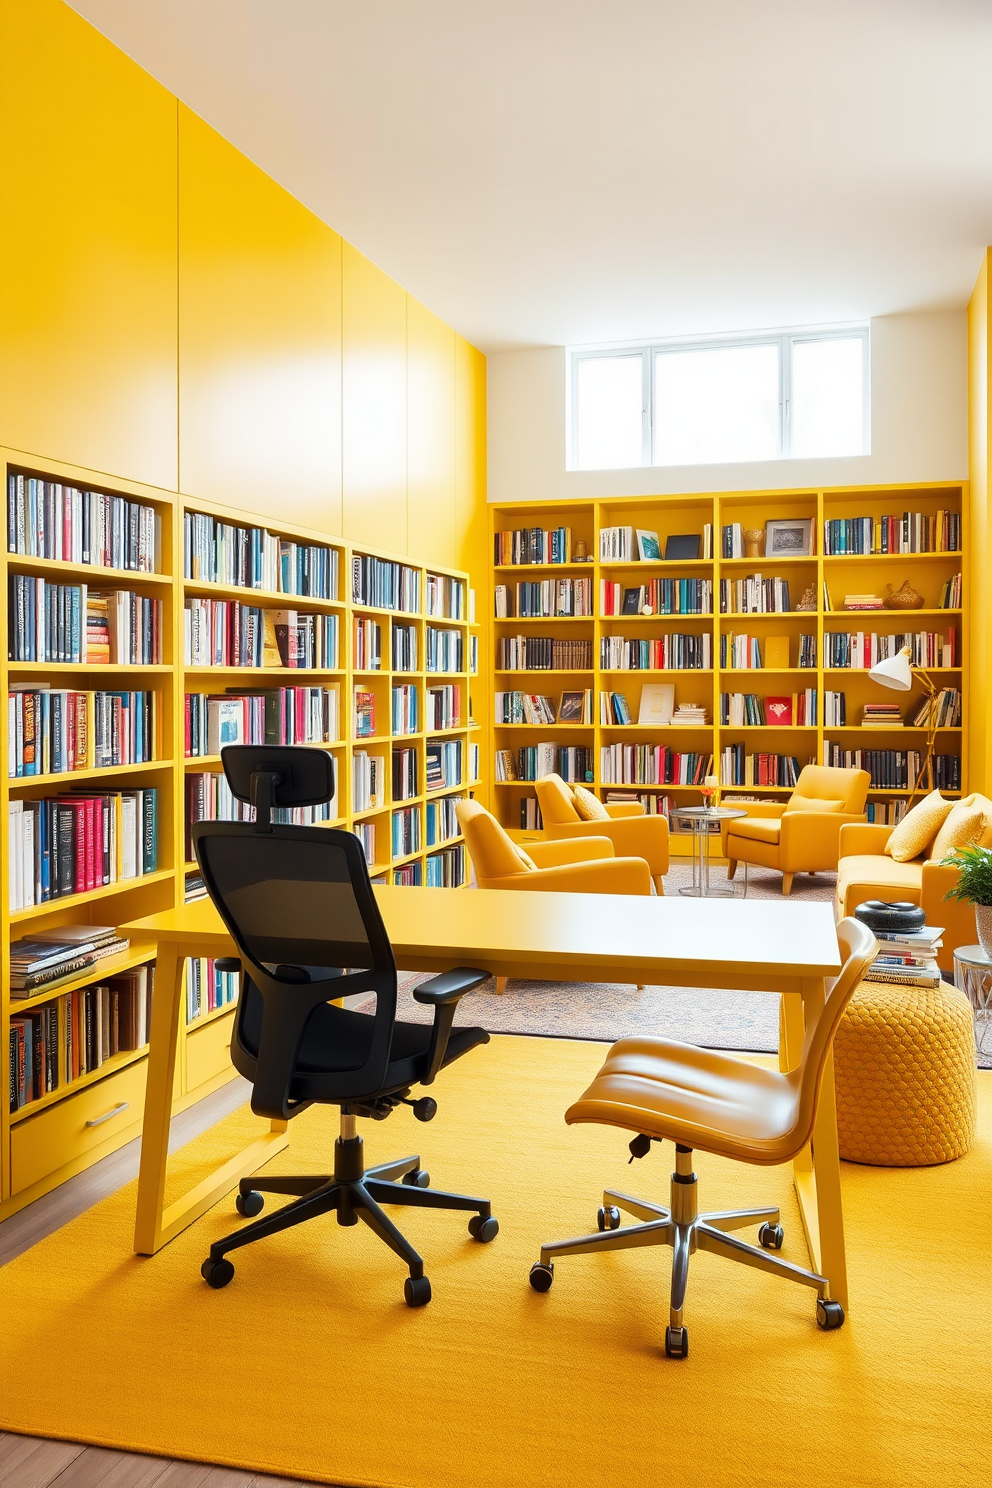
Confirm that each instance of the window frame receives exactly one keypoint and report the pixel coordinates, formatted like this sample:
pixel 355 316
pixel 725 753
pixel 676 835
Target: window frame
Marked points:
pixel 649 351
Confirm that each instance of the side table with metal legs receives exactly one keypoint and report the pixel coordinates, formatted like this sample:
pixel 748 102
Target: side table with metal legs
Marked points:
pixel 705 822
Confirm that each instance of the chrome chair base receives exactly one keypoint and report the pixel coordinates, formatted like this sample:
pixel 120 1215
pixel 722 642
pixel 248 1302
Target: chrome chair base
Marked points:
pixel 680 1225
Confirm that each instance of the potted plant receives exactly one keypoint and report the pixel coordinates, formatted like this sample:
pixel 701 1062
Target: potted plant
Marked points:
pixel 974 886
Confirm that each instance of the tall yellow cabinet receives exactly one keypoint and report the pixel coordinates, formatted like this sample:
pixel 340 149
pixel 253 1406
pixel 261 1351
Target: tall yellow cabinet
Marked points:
pixel 176 327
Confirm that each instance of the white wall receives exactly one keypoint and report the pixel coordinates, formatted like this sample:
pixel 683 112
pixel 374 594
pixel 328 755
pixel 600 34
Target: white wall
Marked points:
pixel 919 425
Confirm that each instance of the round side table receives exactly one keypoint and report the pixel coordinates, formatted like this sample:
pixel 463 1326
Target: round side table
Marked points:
pixel 705 822
pixel 973 975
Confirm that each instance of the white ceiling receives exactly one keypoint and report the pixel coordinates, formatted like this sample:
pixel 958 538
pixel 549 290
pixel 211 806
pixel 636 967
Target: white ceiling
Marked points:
pixel 545 172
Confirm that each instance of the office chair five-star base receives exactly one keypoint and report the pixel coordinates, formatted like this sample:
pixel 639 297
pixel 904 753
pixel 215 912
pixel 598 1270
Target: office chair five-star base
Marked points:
pixel 351 1193
pixel 685 1230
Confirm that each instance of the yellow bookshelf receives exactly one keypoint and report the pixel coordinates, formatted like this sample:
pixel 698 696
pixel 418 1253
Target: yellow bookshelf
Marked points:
pixel 836 575
pixel 56 1136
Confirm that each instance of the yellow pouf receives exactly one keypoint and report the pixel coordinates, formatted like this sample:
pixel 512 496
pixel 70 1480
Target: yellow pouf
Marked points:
pixel 904 1062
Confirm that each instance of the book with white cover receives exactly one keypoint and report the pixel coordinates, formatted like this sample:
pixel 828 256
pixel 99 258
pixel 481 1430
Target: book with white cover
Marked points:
pixel 657 703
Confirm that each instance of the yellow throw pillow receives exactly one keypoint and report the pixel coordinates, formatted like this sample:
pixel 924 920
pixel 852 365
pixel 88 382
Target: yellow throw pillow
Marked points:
pixel 589 807
pixel 918 828
pixel 962 826
pixel 812 803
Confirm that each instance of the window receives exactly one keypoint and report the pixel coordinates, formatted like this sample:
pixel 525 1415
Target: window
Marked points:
pixel 783 395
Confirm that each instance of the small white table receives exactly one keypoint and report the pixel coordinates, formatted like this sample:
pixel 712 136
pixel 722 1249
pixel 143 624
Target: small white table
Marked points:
pixel 973 975
pixel 701 821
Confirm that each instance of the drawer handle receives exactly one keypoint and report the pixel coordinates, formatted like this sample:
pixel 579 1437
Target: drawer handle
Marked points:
pixel 99 1120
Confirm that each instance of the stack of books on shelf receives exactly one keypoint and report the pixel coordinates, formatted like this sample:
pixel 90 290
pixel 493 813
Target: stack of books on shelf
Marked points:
pixel 754 596
pixel 70 624
pixel 219 552
pixel 834 709
pixel 657 597
pixel 123 628
pixel 404 648
pixel 535 760
pixel 863 602
pixel 52 732
pixel 950 594
pixel 405 831
pixel 207 988
pixel 861 650
pixel 907 957
pixel 652 764
pixel 445 650
pixel 689 715
pixel 739 768
pixel 404 774
pixel 533 545
pixel 368 775
pixel 405 709
pixel 442 822
pixel 732 540
pixel 740 653
pixel 443 761
pixel 913 532
pixel 445 597
pixel 443 707
pixel 523 707
pixel 194 888
pixel 73 844
pixel 542 653
pixel 946 709
pixel 881 715
pixel 446 869
pixel 368 645
pixel 51 956
pixel 616 545
pixel 675 652
pixel 890 769
pixel 408 876
pixel 382 584
pixel 544 599
pixel 46 519
pixel 276 715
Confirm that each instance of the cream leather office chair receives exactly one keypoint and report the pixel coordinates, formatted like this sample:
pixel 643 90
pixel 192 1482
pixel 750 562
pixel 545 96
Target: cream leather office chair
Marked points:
pixel 703 1099
pixel 625 823
pixel 803 835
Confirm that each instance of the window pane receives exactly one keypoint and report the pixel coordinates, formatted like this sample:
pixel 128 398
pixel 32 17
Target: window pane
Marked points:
pixel 828 398
pixel 608 412
pixel 716 404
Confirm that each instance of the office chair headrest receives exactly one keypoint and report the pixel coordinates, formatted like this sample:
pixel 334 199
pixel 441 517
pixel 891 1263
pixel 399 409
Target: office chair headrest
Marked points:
pixel 264 776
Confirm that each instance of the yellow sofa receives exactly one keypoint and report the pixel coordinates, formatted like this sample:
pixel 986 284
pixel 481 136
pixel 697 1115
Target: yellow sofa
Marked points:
pixel 628 827
pixel 867 871
pixel 803 835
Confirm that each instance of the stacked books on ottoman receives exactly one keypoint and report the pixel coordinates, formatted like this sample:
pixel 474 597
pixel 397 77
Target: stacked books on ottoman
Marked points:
pixel 908 957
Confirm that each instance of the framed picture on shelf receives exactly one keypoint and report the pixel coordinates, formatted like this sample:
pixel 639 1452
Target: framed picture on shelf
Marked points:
pixel 573 707
pixel 648 547
pixel 790 537
pixel 778 711
pixel 682 547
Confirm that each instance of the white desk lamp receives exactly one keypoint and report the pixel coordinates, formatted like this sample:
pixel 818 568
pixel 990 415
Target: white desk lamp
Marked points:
pixel 899 673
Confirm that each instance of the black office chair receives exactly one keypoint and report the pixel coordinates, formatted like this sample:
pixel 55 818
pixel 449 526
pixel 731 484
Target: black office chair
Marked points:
pixel 299 904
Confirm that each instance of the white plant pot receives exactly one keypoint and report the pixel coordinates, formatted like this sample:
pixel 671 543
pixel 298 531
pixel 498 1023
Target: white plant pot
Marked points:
pixel 983 921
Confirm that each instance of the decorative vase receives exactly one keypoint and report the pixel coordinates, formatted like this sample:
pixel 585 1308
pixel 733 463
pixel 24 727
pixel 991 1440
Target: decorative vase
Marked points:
pixel 754 543
pixel 808 601
pixel 579 552
pixel 983 923
pixel 906 598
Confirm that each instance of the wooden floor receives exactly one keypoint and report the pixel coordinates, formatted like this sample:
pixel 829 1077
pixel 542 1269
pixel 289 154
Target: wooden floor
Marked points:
pixel 29 1462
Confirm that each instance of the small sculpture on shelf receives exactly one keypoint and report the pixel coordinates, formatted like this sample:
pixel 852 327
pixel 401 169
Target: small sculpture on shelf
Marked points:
pixel 905 598
pixel 754 542
pixel 580 553
pixel 808 601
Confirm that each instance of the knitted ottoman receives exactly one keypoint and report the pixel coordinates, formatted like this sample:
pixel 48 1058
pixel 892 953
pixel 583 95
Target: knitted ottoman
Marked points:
pixel 904 1064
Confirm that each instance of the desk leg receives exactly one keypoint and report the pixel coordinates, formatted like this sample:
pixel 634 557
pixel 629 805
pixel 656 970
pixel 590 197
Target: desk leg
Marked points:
pixel 817 1168
pixel 155 1225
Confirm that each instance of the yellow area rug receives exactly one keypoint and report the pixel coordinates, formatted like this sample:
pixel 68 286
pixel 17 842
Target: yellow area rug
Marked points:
pixel 310 1365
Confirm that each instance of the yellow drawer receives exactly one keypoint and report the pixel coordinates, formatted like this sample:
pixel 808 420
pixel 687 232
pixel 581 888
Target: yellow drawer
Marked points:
pixel 76 1125
pixel 208 1051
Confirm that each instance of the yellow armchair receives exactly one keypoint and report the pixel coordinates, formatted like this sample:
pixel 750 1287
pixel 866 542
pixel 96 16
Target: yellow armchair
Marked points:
pixel 624 823
pixel 588 866
pixel 802 835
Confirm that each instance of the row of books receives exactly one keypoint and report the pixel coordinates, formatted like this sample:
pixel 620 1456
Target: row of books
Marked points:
pixel 51 731
pixel 384 585
pixel 754 596
pixel 365 832
pixel 443 763
pixel 405 785
pixel 443 706
pixel 217 552
pixel 537 708
pixel 950 594
pixel 220 632
pixel 405 714
pixel 744 652
pixel 46 519
pixel 634 544
pixel 405 831
pixel 652 764
pixel 367 655
pixel 675 652
pixel 614 710
pixel 404 648
pixel 72 844
pixel 441 820
pixel 278 715
pixel 543 599
pixel 445 869
pixel 653 803
pixel 533 545
pixel 445 650
pixel 886 813
pixel 445 597
pixel 368 780
pixel 408 875
pixel 542 653
pixel 913 532
pixel 861 650
pixel 754 710
pixel 53 955
pixel 532 761
pixel 657 597
pixel 207 987
pixel 737 767
pixel 71 624
pixel 209 798
pixel 896 769
pixel 834 709
pixel 946 710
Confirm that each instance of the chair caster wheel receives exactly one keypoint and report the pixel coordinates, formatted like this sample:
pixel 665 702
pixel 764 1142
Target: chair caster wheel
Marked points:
pixel 425 1109
pixel 542 1276
pixel 829 1314
pixel 677 1343
pixel 771 1236
pixel 417 1291
pixel 217 1273
pixel 249 1204
pixel 483 1230
pixel 419 1178
pixel 608 1219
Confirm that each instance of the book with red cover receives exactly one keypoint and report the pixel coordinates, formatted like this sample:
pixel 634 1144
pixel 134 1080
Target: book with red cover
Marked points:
pixel 778 711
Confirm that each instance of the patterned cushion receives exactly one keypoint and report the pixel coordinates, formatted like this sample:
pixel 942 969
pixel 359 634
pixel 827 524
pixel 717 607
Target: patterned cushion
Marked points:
pixel 589 807
pixel 963 825
pixel 813 803
pixel 918 828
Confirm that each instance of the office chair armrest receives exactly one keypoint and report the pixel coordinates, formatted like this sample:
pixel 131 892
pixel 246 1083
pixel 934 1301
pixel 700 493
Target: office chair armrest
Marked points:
pixel 449 986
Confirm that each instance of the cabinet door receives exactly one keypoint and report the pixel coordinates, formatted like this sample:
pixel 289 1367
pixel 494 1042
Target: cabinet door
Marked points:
pixel 87 250
pixel 259 339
